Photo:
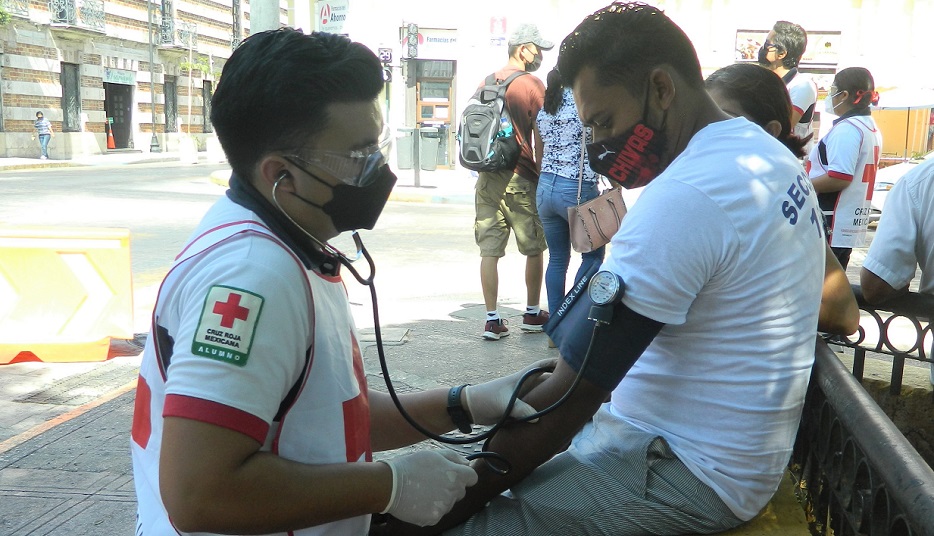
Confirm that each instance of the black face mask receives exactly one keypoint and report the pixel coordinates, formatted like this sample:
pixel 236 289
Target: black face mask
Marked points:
pixel 763 52
pixel 356 207
pixel 531 67
pixel 633 159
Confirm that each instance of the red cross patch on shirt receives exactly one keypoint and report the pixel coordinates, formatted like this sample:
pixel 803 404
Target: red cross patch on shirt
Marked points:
pixel 228 321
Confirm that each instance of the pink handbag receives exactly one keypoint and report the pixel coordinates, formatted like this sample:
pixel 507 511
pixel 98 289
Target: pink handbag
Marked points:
pixel 594 222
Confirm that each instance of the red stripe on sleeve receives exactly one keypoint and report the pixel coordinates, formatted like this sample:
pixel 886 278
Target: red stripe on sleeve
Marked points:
pixel 215 413
pixel 841 176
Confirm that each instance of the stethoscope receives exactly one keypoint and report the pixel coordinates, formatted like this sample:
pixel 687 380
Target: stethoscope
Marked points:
pixel 484 436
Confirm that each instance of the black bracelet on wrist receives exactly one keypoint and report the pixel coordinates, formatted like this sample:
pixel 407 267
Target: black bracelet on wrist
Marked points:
pixel 456 411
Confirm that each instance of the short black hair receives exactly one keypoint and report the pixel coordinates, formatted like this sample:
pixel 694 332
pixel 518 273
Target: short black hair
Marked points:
pixel 276 88
pixel 623 42
pixel 859 83
pixel 763 96
pixel 791 38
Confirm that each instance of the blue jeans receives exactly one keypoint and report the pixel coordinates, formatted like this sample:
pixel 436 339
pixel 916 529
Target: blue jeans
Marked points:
pixel 553 197
pixel 44 144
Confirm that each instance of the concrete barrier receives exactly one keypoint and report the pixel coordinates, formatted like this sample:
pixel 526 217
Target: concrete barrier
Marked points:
pixel 64 293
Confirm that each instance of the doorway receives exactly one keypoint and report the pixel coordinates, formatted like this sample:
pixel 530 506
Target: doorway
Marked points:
pixel 118 106
pixel 434 101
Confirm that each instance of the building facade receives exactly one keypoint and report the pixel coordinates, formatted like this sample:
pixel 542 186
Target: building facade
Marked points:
pixel 88 66
pixel 86 63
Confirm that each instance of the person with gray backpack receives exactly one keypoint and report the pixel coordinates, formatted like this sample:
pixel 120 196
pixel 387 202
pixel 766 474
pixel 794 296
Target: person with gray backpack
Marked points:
pixel 506 185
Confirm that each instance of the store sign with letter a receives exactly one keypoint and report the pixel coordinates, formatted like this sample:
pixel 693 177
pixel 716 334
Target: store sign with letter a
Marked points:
pixel 330 15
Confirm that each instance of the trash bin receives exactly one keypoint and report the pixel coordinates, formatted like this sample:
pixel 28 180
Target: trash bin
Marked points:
pixel 444 138
pixel 428 148
pixel 405 148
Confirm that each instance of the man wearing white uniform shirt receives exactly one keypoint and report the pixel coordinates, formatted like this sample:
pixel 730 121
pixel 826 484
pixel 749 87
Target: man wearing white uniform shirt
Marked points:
pixel 710 294
pixel 253 414
pixel 782 52
pixel 904 240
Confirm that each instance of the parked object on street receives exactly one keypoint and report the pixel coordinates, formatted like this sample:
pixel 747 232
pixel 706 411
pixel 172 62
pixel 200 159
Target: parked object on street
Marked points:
pixel 70 292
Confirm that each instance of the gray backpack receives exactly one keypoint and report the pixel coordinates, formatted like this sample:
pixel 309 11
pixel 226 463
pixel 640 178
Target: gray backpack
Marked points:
pixel 486 135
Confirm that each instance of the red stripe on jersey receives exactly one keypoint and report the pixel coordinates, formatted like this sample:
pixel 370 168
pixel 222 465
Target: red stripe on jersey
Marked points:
pixel 797 109
pixel 142 413
pixel 357 413
pixel 198 409
pixel 842 176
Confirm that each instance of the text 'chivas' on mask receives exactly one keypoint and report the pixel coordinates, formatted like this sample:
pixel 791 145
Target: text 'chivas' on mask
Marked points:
pixel 632 159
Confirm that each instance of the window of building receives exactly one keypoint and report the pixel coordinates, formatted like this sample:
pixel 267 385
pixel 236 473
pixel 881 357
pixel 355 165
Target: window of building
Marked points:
pixel 206 91
pixel 71 98
pixel 171 104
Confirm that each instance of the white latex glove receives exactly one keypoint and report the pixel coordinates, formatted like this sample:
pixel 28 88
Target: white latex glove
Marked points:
pixel 426 484
pixel 486 403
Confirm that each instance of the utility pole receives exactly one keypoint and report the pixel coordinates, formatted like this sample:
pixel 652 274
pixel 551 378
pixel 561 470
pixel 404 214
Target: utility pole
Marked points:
pixel 154 142
pixel 264 15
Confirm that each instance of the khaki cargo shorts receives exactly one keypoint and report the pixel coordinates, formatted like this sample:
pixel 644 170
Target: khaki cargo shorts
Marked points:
pixel 506 201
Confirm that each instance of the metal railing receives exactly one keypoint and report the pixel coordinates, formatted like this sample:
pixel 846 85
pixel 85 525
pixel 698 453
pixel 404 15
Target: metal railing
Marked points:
pixel 174 32
pixel 857 472
pixel 900 328
pixel 16 7
pixel 87 14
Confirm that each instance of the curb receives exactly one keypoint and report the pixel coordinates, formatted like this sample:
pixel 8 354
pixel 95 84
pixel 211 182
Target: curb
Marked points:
pixel 52 164
pixel 44 165
pixel 221 177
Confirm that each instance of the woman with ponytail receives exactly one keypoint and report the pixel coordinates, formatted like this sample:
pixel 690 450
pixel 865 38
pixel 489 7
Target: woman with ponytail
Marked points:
pixel 842 166
pixel 560 133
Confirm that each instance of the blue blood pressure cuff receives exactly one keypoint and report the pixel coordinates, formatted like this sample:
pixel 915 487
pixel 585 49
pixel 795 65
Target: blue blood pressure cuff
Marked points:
pixel 613 347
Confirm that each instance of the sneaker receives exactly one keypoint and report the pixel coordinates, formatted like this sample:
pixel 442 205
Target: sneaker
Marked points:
pixel 43 157
pixel 533 323
pixel 494 329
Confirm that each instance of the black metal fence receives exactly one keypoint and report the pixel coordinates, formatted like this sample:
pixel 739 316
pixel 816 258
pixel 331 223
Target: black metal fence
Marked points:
pixel 857 472
pixel 901 328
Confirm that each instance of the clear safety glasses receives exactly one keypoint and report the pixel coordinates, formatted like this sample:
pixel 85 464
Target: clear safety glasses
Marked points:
pixel 356 168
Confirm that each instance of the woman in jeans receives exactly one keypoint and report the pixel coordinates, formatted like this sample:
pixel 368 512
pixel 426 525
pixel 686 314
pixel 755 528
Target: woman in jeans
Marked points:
pixel 558 132
pixel 44 131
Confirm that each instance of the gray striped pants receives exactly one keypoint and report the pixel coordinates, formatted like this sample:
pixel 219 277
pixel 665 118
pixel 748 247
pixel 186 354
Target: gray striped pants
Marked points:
pixel 640 489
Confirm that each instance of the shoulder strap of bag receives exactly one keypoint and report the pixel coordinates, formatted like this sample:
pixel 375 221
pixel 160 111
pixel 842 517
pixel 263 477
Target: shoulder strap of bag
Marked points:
pixel 580 176
pixel 503 86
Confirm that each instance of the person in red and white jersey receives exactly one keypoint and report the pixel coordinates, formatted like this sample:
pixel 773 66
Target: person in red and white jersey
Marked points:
pixel 253 414
pixel 781 53
pixel 842 166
